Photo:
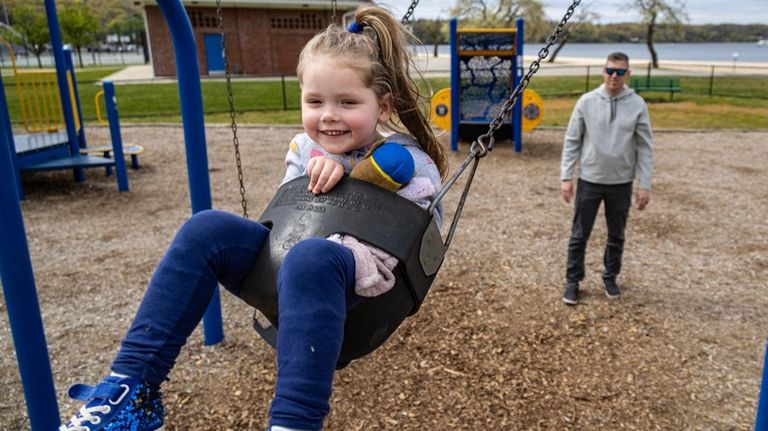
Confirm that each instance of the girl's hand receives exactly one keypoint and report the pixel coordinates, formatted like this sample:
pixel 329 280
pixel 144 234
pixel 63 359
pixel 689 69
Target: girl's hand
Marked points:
pixel 323 174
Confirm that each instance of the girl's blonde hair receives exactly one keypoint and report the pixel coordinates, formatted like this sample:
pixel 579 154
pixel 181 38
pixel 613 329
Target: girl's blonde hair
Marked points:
pixel 379 52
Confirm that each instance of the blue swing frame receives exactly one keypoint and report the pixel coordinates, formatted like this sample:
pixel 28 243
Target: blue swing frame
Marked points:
pixel 16 271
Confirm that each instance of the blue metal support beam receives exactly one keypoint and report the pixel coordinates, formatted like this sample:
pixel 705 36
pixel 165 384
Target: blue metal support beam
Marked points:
pixel 516 119
pixel 21 296
pixel 61 76
pixel 114 131
pixel 455 84
pixel 188 75
pixel 761 422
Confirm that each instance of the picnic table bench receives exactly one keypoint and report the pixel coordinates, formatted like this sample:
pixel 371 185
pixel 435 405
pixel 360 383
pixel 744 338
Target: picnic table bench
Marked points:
pixel 132 150
pixel 669 84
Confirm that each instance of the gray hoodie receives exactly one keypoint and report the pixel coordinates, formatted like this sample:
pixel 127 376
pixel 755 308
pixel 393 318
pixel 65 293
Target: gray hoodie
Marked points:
pixel 611 138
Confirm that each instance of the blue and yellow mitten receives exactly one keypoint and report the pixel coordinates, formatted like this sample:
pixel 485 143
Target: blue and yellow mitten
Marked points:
pixel 388 165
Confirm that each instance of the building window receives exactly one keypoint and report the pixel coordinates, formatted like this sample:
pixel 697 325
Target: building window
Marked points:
pixel 199 18
pixel 304 21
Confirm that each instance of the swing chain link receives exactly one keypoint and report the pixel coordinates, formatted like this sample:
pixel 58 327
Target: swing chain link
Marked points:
pixel 407 17
pixel 481 145
pixel 523 84
pixel 232 113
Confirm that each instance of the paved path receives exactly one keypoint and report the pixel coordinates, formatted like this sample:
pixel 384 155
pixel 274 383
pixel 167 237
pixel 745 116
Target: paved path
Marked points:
pixel 440 66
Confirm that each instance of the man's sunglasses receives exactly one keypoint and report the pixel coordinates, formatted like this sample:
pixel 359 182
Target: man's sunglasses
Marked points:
pixel 611 70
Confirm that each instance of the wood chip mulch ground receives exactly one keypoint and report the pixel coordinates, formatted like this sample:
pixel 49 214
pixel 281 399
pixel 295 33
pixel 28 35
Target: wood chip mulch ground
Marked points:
pixel 493 347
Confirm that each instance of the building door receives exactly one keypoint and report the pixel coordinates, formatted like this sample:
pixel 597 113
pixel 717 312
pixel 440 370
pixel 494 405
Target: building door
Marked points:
pixel 214 55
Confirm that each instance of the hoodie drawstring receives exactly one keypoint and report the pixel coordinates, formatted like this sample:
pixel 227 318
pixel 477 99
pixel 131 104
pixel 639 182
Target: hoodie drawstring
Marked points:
pixel 614 101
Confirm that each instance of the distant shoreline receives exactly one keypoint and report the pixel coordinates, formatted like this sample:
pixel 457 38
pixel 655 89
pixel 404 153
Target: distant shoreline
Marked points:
pixel 442 63
pixel 718 54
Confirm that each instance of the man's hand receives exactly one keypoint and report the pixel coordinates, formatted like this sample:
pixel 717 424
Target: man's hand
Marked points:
pixel 642 197
pixel 566 190
pixel 323 174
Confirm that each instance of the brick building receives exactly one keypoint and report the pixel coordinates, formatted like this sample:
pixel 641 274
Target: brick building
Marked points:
pixel 264 37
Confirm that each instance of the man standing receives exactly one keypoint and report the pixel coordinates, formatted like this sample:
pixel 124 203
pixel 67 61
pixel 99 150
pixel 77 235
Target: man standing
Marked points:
pixel 609 134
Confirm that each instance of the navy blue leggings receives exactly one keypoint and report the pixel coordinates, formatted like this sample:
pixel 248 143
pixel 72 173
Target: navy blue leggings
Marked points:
pixel 315 288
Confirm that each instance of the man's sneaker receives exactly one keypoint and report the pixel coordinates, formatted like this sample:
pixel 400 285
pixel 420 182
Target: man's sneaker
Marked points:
pixel 611 288
pixel 117 404
pixel 571 295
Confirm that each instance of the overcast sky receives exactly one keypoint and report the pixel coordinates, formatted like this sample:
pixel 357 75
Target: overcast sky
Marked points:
pixel 699 11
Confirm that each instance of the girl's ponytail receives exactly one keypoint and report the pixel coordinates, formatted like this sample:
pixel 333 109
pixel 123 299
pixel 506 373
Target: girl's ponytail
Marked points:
pixel 397 65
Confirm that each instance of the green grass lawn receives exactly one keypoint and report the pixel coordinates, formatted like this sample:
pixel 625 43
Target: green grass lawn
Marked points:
pixel 277 102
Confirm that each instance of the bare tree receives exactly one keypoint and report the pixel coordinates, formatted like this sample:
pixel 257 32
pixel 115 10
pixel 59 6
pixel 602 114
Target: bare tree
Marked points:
pixel 502 13
pixel 582 17
pixel 659 11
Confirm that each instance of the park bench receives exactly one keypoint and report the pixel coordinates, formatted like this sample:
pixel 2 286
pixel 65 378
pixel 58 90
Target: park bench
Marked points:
pixel 669 84
pixel 132 150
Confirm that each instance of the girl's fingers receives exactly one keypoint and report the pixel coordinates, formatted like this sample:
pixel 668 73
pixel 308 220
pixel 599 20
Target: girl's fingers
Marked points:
pixel 333 178
pixel 325 175
pixel 313 173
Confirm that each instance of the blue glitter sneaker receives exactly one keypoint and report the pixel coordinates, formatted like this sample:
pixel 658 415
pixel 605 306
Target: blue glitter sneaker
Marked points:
pixel 117 404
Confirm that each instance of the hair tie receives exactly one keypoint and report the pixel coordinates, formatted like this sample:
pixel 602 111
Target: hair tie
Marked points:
pixel 354 27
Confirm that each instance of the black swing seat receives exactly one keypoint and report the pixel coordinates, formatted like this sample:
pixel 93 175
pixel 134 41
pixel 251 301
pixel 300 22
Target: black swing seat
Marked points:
pixel 370 214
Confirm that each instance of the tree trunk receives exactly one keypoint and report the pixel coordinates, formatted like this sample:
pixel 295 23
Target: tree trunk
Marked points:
pixel 563 41
pixel 649 42
pixel 79 55
pixel 434 53
pixel 39 62
pixel 144 47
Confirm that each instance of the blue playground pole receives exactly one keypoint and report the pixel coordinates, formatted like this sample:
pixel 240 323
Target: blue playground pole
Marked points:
pixel 761 423
pixel 21 297
pixel 188 75
pixel 61 77
pixel 455 84
pixel 114 132
pixel 70 67
pixel 517 110
pixel 7 138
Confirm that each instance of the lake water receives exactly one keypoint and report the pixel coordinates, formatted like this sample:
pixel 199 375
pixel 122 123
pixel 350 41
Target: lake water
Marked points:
pixel 698 52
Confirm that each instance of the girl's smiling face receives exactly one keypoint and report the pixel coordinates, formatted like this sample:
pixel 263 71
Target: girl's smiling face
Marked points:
pixel 338 111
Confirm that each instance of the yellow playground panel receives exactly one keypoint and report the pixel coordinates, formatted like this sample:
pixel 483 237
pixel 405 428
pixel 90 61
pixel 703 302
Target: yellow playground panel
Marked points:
pixel 533 110
pixel 39 99
pixel 440 109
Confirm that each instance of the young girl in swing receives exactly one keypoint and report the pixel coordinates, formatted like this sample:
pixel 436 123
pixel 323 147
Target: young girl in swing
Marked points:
pixel 354 82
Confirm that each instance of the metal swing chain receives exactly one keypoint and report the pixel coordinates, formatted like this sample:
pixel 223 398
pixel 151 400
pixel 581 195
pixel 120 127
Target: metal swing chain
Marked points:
pixel 484 143
pixel 407 17
pixel 232 114
pixel 523 84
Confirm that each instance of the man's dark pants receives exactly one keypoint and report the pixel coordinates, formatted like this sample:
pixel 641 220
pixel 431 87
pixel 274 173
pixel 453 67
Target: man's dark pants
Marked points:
pixel 617 199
